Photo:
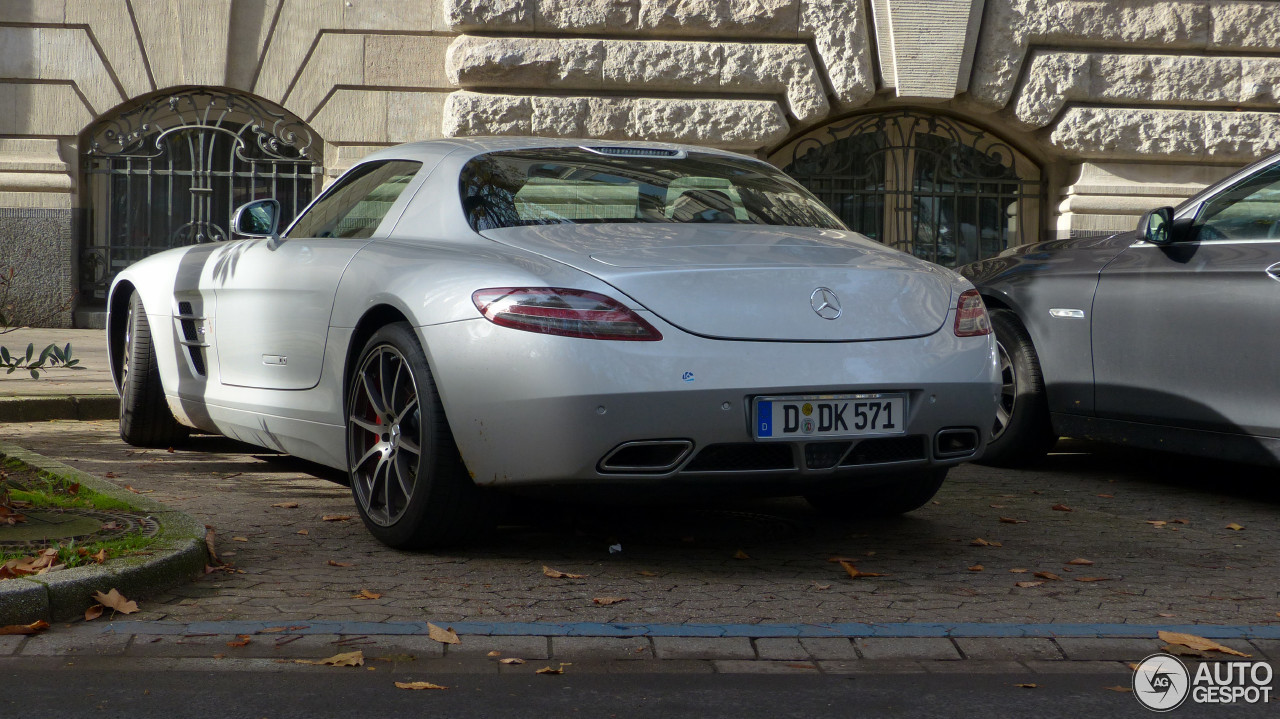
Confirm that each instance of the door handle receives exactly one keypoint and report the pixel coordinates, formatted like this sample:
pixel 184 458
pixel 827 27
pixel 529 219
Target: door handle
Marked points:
pixel 1274 272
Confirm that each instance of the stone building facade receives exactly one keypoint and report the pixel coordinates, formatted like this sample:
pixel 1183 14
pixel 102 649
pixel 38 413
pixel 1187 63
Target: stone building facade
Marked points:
pixel 949 128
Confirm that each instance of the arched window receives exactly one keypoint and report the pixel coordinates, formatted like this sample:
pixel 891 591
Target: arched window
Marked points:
pixel 925 184
pixel 171 171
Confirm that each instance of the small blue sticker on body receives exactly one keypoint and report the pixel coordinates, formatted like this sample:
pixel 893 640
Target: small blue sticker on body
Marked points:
pixel 687 376
pixel 764 419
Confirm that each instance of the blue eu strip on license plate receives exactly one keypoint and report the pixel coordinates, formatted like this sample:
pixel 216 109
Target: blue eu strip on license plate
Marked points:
pixel 764 419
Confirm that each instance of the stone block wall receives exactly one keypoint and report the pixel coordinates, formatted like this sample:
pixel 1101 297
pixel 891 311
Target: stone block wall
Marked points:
pixel 1108 96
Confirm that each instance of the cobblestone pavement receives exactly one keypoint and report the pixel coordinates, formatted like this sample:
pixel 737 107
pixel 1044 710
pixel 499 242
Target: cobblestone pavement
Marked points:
pixel 1154 527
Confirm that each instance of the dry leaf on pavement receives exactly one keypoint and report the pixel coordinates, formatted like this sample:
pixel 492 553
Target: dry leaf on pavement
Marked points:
pixel 418 685
pixel 1048 575
pixel 511 660
pixel 855 574
pixel 606 601
pixel 494 653
pixel 303 532
pixel 1081 562
pixel 557 574
pixel 335 517
pixel 366 594
pixel 333 563
pixel 1157 523
pixel 93 612
pixel 1200 643
pixel 741 555
pixel 1011 520
pixel 1027 686
pixel 549 670
pixel 1019 570
pixel 647 573
pixel 31 628
pixel 1027 585
pixel 114 600
pixel 242 640
pixel 980 542
pixel 346 659
pixel 208 544
pixel 976 568
pixel 1118 688
pixel 444 636
pixel 1107 496
pixel 239 539
pixel 1060 508
pixel 1234 527
pixel 286 505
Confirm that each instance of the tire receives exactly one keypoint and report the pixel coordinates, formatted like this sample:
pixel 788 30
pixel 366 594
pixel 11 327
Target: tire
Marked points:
pixel 1023 433
pixel 145 419
pixel 903 493
pixel 407 478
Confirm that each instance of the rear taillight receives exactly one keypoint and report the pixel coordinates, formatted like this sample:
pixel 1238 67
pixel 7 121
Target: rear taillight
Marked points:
pixel 971 315
pixel 568 313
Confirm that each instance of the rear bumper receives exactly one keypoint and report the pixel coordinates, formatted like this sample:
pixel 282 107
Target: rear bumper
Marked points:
pixel 530 409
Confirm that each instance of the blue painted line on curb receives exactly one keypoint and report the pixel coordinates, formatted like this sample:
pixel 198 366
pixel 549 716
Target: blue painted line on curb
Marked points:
pixel 903 630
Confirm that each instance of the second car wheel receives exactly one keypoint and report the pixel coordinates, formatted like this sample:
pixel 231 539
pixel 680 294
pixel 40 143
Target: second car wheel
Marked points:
pixel 1023 432
pixel 905 492
pixel 145 419
pixel 407 477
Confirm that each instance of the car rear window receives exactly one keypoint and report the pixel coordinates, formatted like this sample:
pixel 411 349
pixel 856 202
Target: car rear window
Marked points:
pixel 577 185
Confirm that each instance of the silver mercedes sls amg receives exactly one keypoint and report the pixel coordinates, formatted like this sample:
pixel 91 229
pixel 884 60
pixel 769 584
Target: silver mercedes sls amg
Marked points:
pixel 457 317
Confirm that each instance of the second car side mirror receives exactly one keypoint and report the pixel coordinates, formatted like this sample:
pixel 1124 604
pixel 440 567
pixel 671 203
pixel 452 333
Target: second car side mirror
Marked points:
pixel 260 218
pixel 1156 226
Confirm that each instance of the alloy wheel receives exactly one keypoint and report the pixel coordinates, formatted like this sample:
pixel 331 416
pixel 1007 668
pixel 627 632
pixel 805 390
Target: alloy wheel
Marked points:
pixel 1008 392
pixel 384 433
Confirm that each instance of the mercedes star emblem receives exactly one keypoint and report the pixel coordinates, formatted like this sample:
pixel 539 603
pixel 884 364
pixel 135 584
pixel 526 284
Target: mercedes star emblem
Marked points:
pixel 825 303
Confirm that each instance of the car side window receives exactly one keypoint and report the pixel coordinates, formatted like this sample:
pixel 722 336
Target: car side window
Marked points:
pixel 1248 211
pixel 356 205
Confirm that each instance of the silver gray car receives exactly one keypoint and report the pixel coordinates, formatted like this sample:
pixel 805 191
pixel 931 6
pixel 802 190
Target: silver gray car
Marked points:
pixel 1162 338
pixel 456 317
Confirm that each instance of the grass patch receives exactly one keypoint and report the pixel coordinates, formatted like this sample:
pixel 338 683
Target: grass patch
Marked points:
pixel 75 555
pixel 46 490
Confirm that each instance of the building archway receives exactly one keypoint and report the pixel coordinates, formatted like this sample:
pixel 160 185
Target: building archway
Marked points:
pixel 170 171
pixel 929 185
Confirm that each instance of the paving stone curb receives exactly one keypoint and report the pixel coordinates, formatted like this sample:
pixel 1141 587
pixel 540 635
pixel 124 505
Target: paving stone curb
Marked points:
pixel 43 408
pixel 178 555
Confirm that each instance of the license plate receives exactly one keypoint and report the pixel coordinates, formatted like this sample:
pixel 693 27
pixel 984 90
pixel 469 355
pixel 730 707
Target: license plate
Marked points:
pixel 822 416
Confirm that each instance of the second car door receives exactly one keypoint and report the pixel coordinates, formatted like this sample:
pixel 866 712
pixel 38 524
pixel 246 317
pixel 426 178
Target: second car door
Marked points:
pixel 275 298
pixel 1185 334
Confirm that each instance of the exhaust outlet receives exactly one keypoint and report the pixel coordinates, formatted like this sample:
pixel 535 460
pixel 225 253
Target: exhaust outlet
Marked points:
pixel 955 442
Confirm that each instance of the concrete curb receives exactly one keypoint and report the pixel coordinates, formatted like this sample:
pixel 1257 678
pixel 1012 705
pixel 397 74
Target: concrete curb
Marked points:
pixel 178 556
pixel 41 408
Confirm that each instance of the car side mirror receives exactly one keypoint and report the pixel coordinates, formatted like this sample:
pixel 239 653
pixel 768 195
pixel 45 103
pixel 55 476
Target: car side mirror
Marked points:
pixel 260 218
pixel 1156 226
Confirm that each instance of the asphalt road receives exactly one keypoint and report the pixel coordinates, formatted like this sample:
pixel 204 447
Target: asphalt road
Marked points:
pixel 252 695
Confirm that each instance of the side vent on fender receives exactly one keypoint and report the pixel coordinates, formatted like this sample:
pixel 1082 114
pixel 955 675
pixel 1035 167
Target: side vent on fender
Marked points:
pixel 191 338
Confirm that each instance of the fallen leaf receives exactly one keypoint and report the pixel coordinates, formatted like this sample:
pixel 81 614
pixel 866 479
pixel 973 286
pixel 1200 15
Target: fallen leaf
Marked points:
pixel 444 636
pixel 418 685
pixel 271 630
pixel 170 450
pixel 494 653
pixel 1027 585
pixel 1167 615
pixel 1027 686
pixel 1093 579
pixel 242 641
pixel 1179 521
pixel 239 539
pixel 1234 527
pixel 1081 562
pixel 647 573
pixel 1011 520
pixel 93 612
pixel 346 659
pixel 855 574
pixel 1107 496
pixel 549 670
pixel 980 542
pixel 366 594
pixel 1060 508
pixel 996 506
pixel 114 600
pixel 1019 570
pixel 606 601
pixel 1156 522
pixel 335 517
pixel 333 563
pixel 1048 575
pixel 113 475
pixel 821 587
pixel 741 555
pixel 511 660
pixel 1184 651
pixel 32 628
pixel 208 544
pixel 557 574
pixel 303 532
pixel 286 505
pixel 976 568
pixel 1200 643
pixel 100 556
pixel 1118 688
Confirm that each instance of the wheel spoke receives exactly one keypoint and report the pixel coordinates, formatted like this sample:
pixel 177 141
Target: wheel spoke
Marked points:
pixel 374 450
pixel 366 425
pixel 406 485
pixel 410 445
pixel 374 397
pixel 413 404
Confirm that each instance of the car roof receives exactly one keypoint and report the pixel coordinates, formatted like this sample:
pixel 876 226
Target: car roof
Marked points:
pixel 471 146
